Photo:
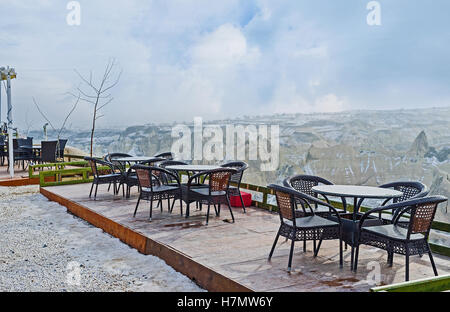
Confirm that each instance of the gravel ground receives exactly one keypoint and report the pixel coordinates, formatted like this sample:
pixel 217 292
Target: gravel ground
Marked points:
pixel 43 248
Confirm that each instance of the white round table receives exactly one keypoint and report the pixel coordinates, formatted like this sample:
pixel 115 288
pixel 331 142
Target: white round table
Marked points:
pixel 356 192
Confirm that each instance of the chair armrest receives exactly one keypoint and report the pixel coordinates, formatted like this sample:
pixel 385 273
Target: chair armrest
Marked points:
pixel 167 172
pixel 194 177
pixel 381 209
pixel 398 214
pixel 309 199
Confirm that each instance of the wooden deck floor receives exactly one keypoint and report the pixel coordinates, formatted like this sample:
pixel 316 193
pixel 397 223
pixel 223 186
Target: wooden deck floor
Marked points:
pixel 233 257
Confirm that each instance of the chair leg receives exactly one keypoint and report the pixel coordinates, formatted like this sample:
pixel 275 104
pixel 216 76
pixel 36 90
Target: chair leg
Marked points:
pixel 207 213
pixel 291 253
pixel 181 206
pixel 317 249
pixel 92 187
pixel 151 208
pixel 109 186
pixel 432 261
pixel 137 205
pixel 355 263
pixel 407 265
pixel 96 189
pixel 341 257
pixel 242 201
pixel 229 207
pixel 187 209
pixel 304 245
pixel 352 258
pixel 274 244
pixel 216 210
pixel 390 258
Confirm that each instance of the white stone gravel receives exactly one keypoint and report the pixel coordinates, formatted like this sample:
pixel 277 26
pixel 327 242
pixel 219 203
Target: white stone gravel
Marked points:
pixel 43 248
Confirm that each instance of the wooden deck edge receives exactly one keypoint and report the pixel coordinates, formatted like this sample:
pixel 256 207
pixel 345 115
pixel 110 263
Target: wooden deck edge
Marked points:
pixel 23 181
pixel 19 182
pixel 204 276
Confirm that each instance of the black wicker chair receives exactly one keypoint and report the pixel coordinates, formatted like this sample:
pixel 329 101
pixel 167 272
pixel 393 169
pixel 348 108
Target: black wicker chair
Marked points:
pixel 309 227
pixel 112 177
pixel 23 151
pixel 48 151
pixel 304 184
pixel 398 240
pixel 128 177
pixel 236 178
pixel 152 187
pixel 216 192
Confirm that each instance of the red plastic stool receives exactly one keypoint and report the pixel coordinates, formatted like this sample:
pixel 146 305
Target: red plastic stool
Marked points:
pixel 235 201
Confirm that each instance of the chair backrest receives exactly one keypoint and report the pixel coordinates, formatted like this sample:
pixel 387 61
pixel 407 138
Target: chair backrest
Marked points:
pixel 95 162
pixel 62 146
pixel 240 166
pixel 15 143
pixel 285 202
pixel 410 190
pixel 144 177
pixel 48 151
pixel 305 183
pixel 165 155
pixel 289 198
pixel 149 176
pixel 422 212
pixel 117 164
pixel 219 180
pixel 29 141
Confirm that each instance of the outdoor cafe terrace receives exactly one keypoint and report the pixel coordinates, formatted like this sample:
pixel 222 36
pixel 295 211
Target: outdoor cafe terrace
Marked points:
pixel 222 255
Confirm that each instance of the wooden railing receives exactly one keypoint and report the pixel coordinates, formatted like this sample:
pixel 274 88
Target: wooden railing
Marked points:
pixel 433 284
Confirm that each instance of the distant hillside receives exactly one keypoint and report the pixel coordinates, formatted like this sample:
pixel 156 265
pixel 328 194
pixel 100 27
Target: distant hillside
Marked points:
pixel 356 147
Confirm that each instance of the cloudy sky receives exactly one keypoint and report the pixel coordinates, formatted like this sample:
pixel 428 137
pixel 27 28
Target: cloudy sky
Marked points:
pixel 227 58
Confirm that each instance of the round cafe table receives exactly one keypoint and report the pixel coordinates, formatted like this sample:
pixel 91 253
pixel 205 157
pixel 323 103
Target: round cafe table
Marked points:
pixel 139 159
pixel 358 193
pixel 190 169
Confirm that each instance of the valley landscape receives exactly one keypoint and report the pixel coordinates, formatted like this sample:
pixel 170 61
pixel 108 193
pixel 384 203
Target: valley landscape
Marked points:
pixel 354 147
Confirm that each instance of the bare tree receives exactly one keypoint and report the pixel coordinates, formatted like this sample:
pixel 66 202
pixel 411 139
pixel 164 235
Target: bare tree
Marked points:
pixel 99 95
pixel 61 129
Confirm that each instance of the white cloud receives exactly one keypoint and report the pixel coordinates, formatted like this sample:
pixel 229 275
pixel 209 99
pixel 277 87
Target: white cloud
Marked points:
pixel 215 59
pixel 226 46
pixel 329 103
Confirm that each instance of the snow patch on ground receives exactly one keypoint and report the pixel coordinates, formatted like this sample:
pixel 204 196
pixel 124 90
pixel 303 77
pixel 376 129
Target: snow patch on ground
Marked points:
pixel 42 246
